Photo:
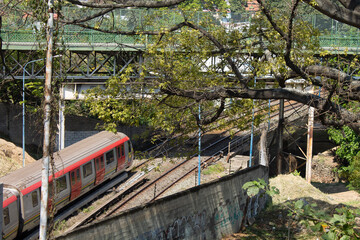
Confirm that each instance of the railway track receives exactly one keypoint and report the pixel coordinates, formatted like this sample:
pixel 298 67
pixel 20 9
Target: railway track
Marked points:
pixel 140 190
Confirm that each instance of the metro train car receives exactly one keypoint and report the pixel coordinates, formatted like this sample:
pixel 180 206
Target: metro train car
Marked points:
pixel 77 169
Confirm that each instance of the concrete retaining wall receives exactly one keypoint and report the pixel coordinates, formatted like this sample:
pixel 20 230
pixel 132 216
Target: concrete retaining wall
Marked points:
pixel 72 137
pixel 209 211
pixel 11 125
pixel 77 128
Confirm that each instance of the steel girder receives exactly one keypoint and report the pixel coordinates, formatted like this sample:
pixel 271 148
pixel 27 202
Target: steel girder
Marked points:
pixel 72 65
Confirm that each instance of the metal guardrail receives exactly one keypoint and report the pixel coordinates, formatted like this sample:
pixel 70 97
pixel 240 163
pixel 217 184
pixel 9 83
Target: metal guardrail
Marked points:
pixel 92 37
pixel 28 36
pixel 20 29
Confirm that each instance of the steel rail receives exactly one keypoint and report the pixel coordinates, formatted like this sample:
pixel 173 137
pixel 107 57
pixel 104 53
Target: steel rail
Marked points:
pixel 235 144
pixel 243 139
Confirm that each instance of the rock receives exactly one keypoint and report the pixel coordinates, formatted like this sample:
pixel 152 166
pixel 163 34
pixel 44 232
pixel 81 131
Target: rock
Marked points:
pixel 357 221
pixel 251 220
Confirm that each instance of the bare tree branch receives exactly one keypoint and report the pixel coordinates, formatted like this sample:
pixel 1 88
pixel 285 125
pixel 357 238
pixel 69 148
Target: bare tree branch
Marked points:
pixel 129 3
pixel 342 14
pixel 88 18
pixel 217 114
pixel 351 4
pixel 323 105
pixel 133 33
pixel 222 50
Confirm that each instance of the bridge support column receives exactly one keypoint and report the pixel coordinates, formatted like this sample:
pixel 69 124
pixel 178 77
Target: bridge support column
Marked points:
pixel 61 126
pixel 280 138
pixel 61 144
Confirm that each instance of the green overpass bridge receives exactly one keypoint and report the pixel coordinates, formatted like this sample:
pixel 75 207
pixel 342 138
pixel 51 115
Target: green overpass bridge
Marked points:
pixel 92 56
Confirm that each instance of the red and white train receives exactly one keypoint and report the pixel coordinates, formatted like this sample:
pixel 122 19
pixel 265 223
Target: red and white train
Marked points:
pixel 78 168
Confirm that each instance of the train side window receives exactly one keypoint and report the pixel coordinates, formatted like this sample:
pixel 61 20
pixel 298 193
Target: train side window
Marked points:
pixel 6 216
pixel 102 162
pixel 87 169
pixel 50 188
pixel 97 164
pixel 34 197
pixel 72 177
pixel 61 184
pixel 78 175
pixel 109 157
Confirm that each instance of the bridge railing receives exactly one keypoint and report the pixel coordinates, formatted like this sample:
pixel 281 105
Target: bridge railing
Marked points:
pixel 340 41
pixel 28 36
pixel 333 33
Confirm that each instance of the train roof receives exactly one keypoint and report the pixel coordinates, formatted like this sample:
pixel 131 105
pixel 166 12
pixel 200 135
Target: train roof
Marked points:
pixel 29 178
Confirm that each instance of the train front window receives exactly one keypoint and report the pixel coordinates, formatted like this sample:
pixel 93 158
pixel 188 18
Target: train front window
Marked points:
pixel 122 150
pixel 109 157
pixel 118 152
pixel 34 197
pixel 6 216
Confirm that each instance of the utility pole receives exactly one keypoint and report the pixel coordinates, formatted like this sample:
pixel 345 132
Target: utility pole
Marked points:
pixel 47 117
pixel 309 143
pixel 252 130
pixel 199 164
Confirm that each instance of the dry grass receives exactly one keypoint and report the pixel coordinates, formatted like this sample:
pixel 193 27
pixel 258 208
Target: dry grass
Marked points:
pixel 11 157
pixel 294 187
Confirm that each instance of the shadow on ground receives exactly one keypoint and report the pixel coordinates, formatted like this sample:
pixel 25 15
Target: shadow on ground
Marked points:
pixel 329 188
pixel 277 222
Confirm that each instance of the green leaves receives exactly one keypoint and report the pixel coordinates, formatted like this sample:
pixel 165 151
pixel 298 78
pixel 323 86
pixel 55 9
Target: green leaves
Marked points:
pixel 252 188
pixel 348 150
pixel 255 187
pixel 332 227
pixel 299 204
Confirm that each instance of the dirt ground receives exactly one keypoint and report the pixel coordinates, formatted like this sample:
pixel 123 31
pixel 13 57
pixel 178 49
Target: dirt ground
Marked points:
pixel 325 190
pixel 326 180
pixel 11 157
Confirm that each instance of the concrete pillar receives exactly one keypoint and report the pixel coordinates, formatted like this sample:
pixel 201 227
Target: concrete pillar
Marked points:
pixel 280 139
pixel 61 124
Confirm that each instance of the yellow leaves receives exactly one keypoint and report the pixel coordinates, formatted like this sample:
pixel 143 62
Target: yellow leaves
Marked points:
pixel 97 25
pixel 313 3
pixel 324 53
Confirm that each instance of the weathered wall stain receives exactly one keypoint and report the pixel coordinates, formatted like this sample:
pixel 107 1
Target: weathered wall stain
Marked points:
pixel 181 228
pixel 208 211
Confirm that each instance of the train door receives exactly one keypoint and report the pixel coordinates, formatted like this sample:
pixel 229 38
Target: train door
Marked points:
pixel 110 163
pixel 31 203
pixel 99 169
pixel 88 176
pixel 62 191
pixel 120 154
pixel 75 180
